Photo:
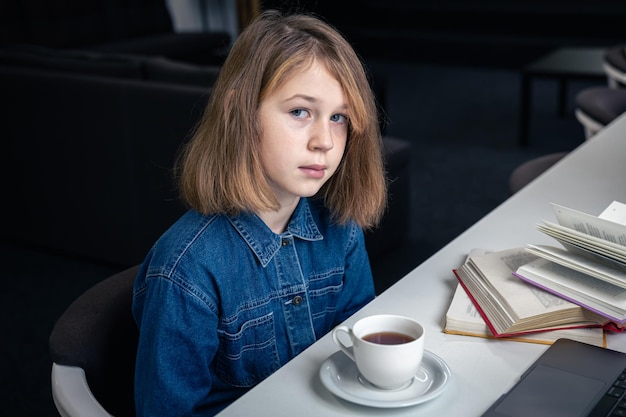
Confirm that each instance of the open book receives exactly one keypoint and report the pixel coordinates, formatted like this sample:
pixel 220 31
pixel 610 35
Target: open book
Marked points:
pixel 594 294
pixel 463 318
pixel 591 270
pixel 601 239
pixel 510 306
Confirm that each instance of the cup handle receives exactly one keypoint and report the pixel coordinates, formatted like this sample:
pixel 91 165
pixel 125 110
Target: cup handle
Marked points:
pixel 345 349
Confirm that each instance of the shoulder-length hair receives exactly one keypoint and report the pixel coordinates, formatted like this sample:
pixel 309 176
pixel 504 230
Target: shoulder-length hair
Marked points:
pixel 220 169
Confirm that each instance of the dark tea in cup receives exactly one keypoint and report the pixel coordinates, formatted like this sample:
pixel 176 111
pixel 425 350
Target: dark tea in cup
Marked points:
pixel 388 338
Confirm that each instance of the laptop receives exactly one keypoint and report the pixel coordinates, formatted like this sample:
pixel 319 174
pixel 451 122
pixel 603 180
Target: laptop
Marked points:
pixel 570 379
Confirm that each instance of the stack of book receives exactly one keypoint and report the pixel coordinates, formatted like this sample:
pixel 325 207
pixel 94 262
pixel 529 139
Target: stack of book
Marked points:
pixel 541 293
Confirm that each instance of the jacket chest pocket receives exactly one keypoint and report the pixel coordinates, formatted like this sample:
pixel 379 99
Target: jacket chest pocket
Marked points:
pixel 247 351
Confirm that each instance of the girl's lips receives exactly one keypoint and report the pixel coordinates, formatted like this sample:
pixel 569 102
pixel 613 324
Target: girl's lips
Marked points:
pixel 314 171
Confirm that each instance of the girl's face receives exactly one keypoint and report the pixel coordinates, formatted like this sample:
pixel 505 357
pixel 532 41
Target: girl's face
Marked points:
pixel 304 126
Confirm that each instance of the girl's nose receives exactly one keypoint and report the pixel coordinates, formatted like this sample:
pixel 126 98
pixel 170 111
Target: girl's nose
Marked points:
pixel 322 137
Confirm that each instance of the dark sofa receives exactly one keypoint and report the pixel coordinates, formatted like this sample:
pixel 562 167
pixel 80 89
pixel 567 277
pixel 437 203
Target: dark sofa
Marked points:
pixel 89 143
pixel 141 27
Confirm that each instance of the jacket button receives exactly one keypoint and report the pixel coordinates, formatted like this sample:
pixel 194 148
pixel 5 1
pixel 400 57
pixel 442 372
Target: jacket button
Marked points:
pixel 297 300
pixel 285 242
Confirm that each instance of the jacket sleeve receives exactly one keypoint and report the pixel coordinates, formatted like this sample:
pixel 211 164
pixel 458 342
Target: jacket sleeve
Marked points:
pixel 358 285
pixel 177 343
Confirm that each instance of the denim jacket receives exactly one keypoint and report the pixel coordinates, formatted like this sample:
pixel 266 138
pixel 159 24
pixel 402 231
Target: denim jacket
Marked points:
pixel 222 302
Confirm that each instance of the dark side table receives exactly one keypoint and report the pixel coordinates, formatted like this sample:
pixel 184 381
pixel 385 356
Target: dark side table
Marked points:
pixel 562 64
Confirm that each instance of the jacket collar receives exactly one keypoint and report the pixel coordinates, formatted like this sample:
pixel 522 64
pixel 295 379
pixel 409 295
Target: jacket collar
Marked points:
pixel 265 243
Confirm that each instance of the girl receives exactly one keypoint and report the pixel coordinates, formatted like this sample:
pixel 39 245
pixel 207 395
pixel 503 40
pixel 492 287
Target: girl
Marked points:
pixel 282 174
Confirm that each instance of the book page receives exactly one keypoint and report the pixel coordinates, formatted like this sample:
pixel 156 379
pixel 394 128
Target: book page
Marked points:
pixel 511 305
pixel 596 246
pixel 609 272
pixel 522 300
pixel 594 294
pixel 462 318
pixel 598 227
pixel 615 212
pixel 462 314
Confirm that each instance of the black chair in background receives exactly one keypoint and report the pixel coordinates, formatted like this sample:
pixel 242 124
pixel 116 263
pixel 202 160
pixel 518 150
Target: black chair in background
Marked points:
pixel 596 107
pixel 93 346
pixel 529 170
pixel 615 66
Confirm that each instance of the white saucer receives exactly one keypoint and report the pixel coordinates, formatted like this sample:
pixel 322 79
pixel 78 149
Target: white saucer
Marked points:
pixel 340 376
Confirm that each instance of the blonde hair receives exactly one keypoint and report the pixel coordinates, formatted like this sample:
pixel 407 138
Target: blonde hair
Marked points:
pixel 220 169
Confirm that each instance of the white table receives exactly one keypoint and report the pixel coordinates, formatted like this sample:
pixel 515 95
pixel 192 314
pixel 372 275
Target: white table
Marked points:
pixel 588 179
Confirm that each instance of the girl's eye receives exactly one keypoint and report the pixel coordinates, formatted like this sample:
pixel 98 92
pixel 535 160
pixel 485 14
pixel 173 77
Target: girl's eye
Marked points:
pixel 300 113
pixel 339 118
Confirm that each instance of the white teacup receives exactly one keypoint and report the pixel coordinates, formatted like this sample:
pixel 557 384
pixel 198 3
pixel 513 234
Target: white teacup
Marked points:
pixel 387 349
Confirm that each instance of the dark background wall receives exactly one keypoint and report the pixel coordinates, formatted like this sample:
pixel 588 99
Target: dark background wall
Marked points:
pixel 467 31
